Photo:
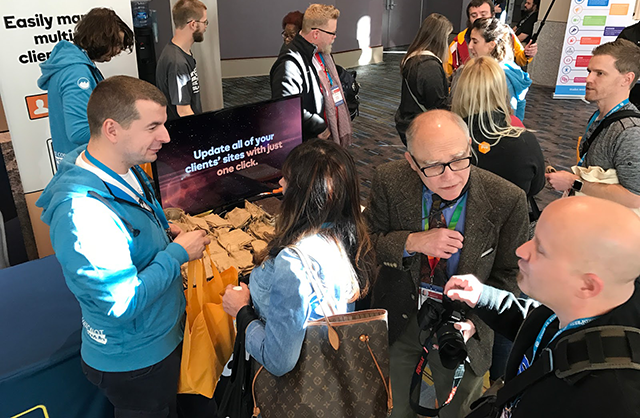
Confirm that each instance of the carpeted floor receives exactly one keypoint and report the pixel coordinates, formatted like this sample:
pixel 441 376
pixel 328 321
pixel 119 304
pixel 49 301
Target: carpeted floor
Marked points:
pixel 557 123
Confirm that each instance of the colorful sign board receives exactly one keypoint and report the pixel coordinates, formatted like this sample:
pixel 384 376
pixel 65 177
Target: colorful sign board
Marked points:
pixel 590 23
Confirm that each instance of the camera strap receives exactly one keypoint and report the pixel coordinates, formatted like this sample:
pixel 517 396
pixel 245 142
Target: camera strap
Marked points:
pixel 421 395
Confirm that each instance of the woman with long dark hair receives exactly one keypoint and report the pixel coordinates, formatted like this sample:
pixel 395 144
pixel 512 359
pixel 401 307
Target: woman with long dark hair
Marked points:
pixel 320 215
pixel 424 82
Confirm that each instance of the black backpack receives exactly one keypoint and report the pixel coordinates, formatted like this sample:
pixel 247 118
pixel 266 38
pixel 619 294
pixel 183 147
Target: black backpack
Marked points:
pixel 351 89
pixel 574 357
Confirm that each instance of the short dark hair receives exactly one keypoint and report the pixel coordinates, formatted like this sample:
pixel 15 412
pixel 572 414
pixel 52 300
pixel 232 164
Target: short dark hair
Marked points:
pixel 115 98
pixel 98 33
pixel 478 3
pixel 626 54
pixel 293 18
pixel 185 11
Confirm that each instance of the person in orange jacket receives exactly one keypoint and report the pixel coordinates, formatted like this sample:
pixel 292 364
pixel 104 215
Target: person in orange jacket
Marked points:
pixel 459 51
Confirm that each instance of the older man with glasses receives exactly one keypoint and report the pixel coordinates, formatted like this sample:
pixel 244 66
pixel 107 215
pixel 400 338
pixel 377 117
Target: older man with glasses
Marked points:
pixel 176 73
pixel 305 67
pixel 431 217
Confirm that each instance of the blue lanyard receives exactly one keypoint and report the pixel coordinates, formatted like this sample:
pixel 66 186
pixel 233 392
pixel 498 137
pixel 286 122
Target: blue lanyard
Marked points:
pixel 324 67
pixel 157 210
pixel 594 117
pixel 573 324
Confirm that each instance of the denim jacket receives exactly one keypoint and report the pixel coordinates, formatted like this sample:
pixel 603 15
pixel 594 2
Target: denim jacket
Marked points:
pixel 284 300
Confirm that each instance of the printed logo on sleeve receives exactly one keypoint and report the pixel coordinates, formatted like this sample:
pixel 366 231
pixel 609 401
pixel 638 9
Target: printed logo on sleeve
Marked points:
pixel 84 83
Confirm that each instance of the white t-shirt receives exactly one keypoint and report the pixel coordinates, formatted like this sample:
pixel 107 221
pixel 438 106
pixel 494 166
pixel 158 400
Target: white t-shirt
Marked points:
pixel 129 177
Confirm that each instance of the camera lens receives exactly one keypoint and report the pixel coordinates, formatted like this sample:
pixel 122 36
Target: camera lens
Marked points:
pixel 452 348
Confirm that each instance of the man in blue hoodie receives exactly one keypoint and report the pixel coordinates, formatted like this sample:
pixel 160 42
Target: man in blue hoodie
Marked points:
pixel 70 75
pixel 120 257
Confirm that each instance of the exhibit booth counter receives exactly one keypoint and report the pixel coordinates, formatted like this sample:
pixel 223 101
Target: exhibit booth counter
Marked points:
pixel 40 372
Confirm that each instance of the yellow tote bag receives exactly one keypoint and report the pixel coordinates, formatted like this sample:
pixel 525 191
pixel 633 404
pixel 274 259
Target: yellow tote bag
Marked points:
pixel 209 332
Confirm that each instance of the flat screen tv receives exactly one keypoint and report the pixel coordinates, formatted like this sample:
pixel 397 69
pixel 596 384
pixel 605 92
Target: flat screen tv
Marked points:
pixel 219 158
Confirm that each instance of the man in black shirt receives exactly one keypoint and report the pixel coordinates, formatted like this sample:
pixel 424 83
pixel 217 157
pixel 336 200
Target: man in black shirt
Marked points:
pixel 176 74
pixel 524 28
pixel 296 69
pixel 582 267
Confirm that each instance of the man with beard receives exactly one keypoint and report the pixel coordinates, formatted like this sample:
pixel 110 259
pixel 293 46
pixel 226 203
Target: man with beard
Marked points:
pixel 176 74
pixel 302 68
pixel 524 28
pixel 613 70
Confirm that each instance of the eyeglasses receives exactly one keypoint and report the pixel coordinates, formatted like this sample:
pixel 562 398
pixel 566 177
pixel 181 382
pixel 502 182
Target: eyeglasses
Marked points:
pixel 437 169
pixel 205 22
pixel 325 31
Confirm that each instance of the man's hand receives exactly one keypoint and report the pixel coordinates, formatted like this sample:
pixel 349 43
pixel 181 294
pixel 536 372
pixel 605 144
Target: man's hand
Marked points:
pixel 235 299
pixel 193 242
pixel 467 327
pixel 531 49
pixel 184 110
pixel 324 134
pixel 466 288
pixel 497 10
pixel 174 230
pixel 439 242
pixel 561 180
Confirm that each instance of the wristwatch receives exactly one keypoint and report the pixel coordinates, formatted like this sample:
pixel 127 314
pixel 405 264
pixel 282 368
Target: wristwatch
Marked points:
pixel 577 185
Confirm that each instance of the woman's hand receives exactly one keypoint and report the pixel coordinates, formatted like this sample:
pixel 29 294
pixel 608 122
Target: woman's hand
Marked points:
pixel 234 298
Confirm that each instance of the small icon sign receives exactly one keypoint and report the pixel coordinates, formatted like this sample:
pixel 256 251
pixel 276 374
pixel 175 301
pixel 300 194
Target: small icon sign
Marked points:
pixel 37 106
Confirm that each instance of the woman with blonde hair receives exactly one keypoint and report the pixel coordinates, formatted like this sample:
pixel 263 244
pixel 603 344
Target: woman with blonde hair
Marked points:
pixel 490 37
pixel 512 153
pixel 424 82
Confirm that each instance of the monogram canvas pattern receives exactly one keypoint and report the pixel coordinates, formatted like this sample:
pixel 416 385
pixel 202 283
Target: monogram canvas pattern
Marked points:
pixel 328 382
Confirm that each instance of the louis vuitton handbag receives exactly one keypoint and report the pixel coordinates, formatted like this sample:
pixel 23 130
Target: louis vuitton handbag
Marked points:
pixel 343 369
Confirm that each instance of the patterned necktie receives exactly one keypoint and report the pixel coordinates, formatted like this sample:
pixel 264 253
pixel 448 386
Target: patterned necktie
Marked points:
pixel 438 274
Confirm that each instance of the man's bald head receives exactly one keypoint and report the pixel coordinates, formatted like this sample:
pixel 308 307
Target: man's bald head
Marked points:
pixel 603 237
pixel 583 258
pixel 432 125
pixel 438 139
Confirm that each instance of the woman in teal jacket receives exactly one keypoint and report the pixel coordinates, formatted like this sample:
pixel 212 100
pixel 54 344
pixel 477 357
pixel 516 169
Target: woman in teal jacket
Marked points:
pixel 70 75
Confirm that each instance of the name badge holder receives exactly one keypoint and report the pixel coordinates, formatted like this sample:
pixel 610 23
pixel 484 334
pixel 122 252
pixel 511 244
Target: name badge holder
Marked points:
pixel 337 95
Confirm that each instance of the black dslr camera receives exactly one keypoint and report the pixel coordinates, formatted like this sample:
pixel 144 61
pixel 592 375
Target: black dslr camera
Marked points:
pixel 437 318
